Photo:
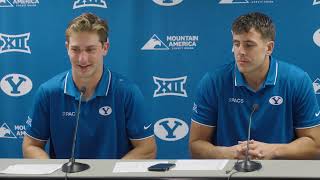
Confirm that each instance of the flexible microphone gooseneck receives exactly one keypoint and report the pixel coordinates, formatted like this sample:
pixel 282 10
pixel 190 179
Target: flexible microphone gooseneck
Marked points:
pixel 247 165
pixel 72 166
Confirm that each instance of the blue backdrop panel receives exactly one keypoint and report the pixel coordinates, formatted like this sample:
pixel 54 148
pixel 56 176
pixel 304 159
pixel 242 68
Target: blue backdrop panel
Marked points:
pixel 165 46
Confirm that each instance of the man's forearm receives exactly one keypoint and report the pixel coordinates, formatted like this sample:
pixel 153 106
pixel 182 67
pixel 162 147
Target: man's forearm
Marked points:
pixel 204 150
pixel 141 153
pixel 35 153
pixel 301 148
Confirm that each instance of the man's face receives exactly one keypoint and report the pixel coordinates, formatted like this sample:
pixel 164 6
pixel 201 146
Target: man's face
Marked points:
pixel 251 52
pixel 86 54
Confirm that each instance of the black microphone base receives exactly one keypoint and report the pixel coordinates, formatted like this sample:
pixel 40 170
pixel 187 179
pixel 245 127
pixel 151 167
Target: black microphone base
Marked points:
pixel 248 166
pixel 70 167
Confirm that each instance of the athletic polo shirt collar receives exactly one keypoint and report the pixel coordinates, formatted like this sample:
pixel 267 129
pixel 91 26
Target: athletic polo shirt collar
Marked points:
pixel 101 90
pixel 271 76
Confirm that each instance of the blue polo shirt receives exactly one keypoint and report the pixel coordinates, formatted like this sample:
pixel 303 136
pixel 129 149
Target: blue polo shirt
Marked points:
pixel 286 102
pixel 108 121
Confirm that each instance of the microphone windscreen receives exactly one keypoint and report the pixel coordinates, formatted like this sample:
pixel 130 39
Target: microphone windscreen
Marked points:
pixel 83 89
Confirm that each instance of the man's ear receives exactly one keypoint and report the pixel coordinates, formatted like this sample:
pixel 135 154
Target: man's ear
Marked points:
pixel 270 47
pixel 67 45
pixel 105 47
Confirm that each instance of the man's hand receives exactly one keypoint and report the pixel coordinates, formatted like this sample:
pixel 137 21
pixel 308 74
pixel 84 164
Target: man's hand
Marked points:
pixel 235 152
pixel 259 150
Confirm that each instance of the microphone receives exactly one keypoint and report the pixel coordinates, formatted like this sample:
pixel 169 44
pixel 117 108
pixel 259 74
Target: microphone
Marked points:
pixel 72 166
pixel 247 165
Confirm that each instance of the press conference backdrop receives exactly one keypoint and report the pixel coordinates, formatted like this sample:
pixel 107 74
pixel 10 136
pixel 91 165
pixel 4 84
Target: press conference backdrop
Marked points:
pixel 165 46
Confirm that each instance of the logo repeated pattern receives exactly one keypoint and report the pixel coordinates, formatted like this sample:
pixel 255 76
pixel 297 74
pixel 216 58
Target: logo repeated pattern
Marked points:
pixel 316 37
pixel 89 3
pixel 170 86
pixel 316 86
pixel 171 129
pixel 245 1
pixel 172 43
pixel 19 3
pixel 15 43
pixel 16 84
pixel 167 2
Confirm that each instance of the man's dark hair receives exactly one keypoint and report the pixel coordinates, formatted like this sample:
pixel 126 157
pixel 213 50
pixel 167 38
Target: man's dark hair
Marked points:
pixel 259 21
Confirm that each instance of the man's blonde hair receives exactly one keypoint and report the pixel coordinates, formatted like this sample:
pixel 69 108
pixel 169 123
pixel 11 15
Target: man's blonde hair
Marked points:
pixel 88 22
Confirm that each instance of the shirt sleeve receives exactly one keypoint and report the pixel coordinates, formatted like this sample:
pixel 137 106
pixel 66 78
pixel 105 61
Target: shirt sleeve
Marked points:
pixel 205 107
pixel 139 123
pixel 306 108
pixel 39 115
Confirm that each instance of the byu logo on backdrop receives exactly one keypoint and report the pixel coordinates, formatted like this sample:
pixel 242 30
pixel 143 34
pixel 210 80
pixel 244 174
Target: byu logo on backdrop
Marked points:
pixel 316 2
pixel 15 43
pixel 167 2
pixel 89 3
pixel 155 43
pixel 105 110
pixel 16 84
pixel 5 3
pixel 316 37
pixel 276 100
pixel 170 86
pixel 6 132
pixel 316 86
pixel 171 129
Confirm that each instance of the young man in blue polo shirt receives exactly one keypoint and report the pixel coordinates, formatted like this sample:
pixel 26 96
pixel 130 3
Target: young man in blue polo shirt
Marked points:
pixel 113 123
pixel 280 97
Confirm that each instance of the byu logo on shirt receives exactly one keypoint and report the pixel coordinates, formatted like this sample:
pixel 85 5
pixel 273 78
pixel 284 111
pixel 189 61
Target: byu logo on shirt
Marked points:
pixel 276 100
pixel 171 129
pixel 16 84
pixel 167 2
pixel 89 3
pixel 15 43
pixel 105 110
pixel 170 86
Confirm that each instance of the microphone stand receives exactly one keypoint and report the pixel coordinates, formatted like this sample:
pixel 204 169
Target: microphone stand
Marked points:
pixel 72 166
pixel 247 165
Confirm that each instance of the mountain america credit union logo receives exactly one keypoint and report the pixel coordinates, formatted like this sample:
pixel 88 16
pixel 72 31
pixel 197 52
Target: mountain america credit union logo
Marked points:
pixel 316 86
pixel 89 3
pixel 19 3
pixel 16 84
pixel 316 37
pixel 167 2
pixel 171 43
pixel 15 43
pixel 6 131
pixel 170 86
pixel 171 129
pixel 244 1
